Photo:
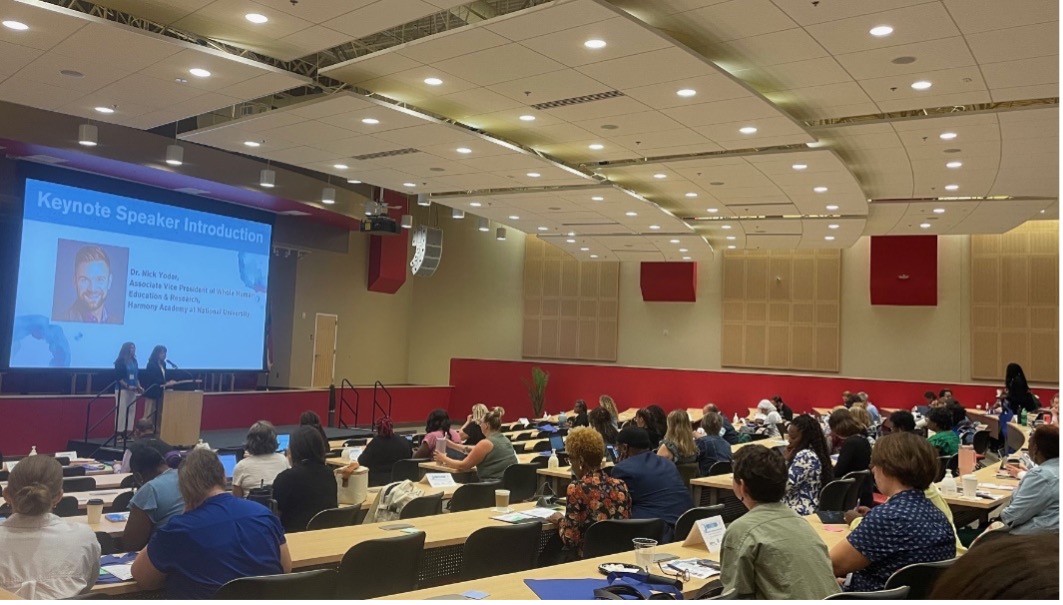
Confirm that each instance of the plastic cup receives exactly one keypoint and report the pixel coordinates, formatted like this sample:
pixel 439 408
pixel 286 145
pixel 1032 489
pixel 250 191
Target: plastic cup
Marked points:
pixel 502 499
pixel 970 486
pixel 644 549
pixel 441 445
pixel 94 508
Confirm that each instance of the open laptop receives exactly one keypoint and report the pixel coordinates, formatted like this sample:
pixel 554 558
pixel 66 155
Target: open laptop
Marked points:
pixel 557 443
pixel 282 442
pixel 228 461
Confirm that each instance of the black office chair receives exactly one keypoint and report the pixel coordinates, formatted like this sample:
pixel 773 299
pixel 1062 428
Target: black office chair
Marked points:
pixel 121 503
pixel 615 535
pixel 919 578
pixel 471 496
pixel 720 468
pixel 385 566
pixel 334 517
pixel 542 446
pixel 3 475
pixel 540 462
pixel 835 496
pixel 425 506
pixel 861 480
pixel 562 459
pixel 521 481
pixel 129 481
pixel 482 555
pixel 987 537
pixel 525 436
pixel 687 471
pixel 946 463
pixel 519 446
pixel 981 441
pixel 408 469
pixel 317 584
pixel 67 507
pixel 900 593
pixel 79 484
pixel 108 545
pixel 73 471
pixel 63 460
pixel 686 520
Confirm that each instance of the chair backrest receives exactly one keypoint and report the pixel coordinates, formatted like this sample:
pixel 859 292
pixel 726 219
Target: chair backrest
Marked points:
pixel 67 507
pixel 918 577
pixel 317 584
pixel 945 463
pixel 385 566
pixel 525 436
pixel 493 551
pixel 407 469
pixel 334 517
pixel 687 471
pixel 121 502
pixel 899 593
pixel 988 536
pixel 981 442
pixel 719 468
pixel 73 471
pixel 79 484
pixel 835 495
pixel 541 446
pixel 686 521
pixel 1016 440
pixel 521 481
pixel 108 545
pixel 129 481
pixel 614 535
pixel 860 480
pixel 471 496
pixel 63 460
pixel 519 446
pixel 425 506
pixel 727 595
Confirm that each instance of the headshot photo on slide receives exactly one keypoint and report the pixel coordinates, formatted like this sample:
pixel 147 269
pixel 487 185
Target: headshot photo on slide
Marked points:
pixel 90 283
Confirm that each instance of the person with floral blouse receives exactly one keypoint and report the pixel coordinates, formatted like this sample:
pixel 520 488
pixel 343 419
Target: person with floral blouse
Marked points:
pixel 808 457
pixel 593 495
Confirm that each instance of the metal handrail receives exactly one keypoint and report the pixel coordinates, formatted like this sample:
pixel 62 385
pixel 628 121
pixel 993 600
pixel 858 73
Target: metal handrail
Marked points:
pixel 88 410
pixel 343 403
pixel 376 403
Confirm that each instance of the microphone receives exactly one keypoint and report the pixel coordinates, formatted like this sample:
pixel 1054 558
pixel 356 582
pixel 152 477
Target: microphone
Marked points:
pixel 172 364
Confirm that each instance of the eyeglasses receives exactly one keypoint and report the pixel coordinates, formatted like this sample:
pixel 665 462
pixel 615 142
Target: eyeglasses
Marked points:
pixel 672 572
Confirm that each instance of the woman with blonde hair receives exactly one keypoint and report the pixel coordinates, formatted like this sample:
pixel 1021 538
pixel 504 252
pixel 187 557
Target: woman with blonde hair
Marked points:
pixel 607 402
pixel 471 433
pixel 490 457
pixel 43 556
pixel 678 443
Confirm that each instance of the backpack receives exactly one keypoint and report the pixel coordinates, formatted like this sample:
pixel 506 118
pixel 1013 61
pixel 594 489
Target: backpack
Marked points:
pixel 391 499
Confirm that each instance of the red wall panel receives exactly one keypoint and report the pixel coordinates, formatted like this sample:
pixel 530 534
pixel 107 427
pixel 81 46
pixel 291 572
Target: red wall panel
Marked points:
pixel 669 282
pixel 904 270
pixel 388 253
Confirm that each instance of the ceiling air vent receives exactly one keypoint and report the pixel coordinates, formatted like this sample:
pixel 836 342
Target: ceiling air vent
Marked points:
pixel 386 154
pixel 601 96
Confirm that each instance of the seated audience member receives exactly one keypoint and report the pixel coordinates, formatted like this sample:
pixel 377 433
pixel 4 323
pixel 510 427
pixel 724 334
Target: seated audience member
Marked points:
pixel 783 409
pixel 593 495
pixel 876 417
pixel 771 552
pixel 961 424
pixel 311 419
pixel 678 443
pixel 711 448
pixel 855 451
pixel 944 440
pixel 309 486
pixel 907 528
pixel 158 500
pixel 470 433
pixel 644 420
pixel 602 422
pixel 929 400
pixel 42 556
pixel 981 573
pixel 899 421
pixel 383 451
pixel 609 405
pixel 262 462
pixel 579 418
pixel 491 457
pixel 143 429
pixel 768 417
pixel 860 414
pixel 1034 507
pixel 945 396
pixel 656 487
pixel 437 427
pixel 730 435
pixel 808 458
pixel 218 539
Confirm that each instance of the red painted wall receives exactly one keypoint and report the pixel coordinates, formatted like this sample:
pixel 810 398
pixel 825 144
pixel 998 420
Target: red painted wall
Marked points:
pixel 669 282
pixel 499 383
pixel 388 253
pixel 914 256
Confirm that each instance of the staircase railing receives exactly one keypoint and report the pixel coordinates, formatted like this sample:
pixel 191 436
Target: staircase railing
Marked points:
pixel 376 402
pixel 88 411
pixel 344 384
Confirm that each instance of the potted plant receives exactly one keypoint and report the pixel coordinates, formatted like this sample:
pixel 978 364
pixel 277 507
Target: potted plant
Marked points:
pixel 537 390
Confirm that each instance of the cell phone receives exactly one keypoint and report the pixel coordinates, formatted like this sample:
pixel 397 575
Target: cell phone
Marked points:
pixel 662 557
pixel 709 564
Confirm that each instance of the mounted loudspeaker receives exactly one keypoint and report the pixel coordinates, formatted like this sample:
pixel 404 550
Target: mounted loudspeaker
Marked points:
pixel 427 250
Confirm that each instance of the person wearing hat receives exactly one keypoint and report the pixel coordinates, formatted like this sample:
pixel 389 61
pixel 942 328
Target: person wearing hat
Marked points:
pixel 657 490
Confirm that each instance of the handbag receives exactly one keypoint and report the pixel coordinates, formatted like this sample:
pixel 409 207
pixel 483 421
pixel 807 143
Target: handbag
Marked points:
pixel 639 586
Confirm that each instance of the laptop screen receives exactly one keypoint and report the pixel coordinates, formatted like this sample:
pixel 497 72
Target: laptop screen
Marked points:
pixel 229 462
pixel 282 442
pixel 557 442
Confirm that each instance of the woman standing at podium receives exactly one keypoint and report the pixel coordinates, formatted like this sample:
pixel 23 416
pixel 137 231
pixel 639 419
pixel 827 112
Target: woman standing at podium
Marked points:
pixel 127 387
pixel 155 378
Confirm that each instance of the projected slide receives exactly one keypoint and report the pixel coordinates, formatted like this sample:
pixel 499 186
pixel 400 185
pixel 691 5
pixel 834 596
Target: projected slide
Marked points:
pixel 97 270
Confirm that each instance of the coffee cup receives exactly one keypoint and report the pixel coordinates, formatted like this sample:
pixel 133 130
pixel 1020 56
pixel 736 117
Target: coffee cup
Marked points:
pixel 95 510
pixel 970 486
pixel 502 499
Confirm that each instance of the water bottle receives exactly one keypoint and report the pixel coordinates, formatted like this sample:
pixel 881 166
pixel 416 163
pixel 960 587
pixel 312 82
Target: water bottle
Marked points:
pixel 561 418
pixel 948 484
pixel 33 451
pixel 734 421
pixel 553 461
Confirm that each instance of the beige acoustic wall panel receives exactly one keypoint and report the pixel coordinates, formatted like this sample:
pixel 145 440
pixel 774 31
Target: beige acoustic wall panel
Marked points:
pixel 570 308
pixel 1015 302
pixel 782 310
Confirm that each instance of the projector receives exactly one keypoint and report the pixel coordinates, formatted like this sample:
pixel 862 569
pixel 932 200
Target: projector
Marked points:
pixel 380 225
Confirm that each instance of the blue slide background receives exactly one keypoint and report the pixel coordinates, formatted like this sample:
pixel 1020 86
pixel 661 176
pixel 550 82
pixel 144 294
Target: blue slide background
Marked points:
pixel 230 341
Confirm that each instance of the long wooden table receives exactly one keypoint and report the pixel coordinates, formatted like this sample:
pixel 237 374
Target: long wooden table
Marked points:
pixel 111 481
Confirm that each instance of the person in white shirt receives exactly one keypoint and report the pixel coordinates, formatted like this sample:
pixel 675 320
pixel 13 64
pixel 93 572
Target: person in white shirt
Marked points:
pixel 41 555
pixel 261 463
pixel 769 417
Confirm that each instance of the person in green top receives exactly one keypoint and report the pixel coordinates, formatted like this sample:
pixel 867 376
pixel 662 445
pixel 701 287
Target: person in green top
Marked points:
pixel 490 457
pixel 771 552
pixel 944 439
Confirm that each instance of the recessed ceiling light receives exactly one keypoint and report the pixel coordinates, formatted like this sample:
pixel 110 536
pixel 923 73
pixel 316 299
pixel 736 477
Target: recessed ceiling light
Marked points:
pixel 572 234
pixel 731 247
pixel 596 146
pixel 631 213
pixel 713 210
pixel 256 18
pixel 354 181
pixel 594 43
pixel 673 241
pixel 829 238
pixel 881 30
pixel 73 73
pixel 725 226
pixel 370 121
pixel 683 250
pixel 199 73
pixel 433 81
pixel 409 184
pixel 544 228
pixel 527 118
pixel 475 204
pixel 832 207
pixel 596 256
pixel 16 25
pixel 340 166
pixel 463 150
pixel 832 226
pixel 951 187
pixel 819 189
pixel 747 129
pixel 180 80
pixel 655 227
pixel 686 92
pixel 731 238
pixel 534 175
pixel 924 225
pixel 660 175
pixel 691 194
pixel 514 217
pixel 598 198
pixel 921 85
pixel 584 249
pixel 104 110
pixel 686 258
pixel 252 143
pixel 954 164
pixel 799 166
pixel 939 211
pixel 947 136
pixel 570 241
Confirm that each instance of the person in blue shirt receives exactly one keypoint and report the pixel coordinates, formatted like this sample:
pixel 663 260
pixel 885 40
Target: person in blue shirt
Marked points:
pixel 1034 507
pixel 158 500
pixel 712 448
pixel 220 538
pixel 657 490
pixel 730 435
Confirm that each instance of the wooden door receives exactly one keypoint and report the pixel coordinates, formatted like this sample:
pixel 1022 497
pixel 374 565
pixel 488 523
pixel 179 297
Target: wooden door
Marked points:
pixel 325 327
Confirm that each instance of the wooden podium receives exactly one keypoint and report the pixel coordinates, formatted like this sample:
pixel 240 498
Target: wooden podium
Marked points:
pixel 180 417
